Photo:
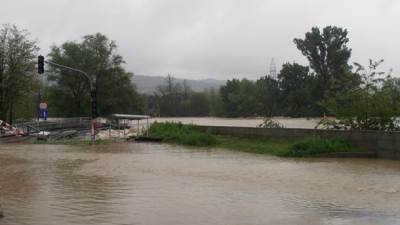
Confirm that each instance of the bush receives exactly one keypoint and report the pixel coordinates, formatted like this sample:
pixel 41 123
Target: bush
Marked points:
pixel 315 145
pixel 181 134
pixel 270 123
pixel 372 106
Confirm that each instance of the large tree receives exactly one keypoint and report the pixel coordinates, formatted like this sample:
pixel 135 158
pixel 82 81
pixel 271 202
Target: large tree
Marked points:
pixel 215 102
pixel 328 54
pixel 170 96
pixel 229 97
pixel 268 96
pixel 297 87
pixel 199 104
pixel 98 57
pixel 18 80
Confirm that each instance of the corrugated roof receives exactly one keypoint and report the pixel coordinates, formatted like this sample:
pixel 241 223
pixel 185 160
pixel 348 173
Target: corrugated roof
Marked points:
pixel 130 117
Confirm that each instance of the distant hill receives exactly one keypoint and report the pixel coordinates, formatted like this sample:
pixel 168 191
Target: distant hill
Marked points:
pixel 148 84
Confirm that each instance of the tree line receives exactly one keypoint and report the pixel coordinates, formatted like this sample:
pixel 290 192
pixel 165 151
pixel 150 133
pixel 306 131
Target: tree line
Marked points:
pixel 361 97
pixel 66 92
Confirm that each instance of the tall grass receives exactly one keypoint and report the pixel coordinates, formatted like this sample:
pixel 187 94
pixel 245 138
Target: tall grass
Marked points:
pixel 316 145
pixel 181 134
pixel 190 135
pixel 257 145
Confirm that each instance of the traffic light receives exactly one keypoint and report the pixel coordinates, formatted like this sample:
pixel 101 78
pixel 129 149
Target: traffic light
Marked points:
pixel 40 64
pixel 94 104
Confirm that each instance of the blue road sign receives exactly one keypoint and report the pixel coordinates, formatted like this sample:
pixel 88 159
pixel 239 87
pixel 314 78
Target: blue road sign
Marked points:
pixel 44 114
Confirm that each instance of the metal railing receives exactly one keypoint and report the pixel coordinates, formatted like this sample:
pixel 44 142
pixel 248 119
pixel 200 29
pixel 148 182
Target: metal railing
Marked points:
pixel 54 124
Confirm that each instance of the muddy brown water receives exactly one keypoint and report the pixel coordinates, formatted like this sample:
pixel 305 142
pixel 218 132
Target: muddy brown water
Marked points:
pixel 142 183
pixel 240 122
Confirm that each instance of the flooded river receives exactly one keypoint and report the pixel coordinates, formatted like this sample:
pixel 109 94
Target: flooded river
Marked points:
pixel 132 183
pixel 242 122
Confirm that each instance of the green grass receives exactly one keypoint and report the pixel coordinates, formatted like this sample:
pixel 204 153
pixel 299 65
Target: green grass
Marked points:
pixel 270 146
pixel 190 135
pixel 181 134
pixel 315 146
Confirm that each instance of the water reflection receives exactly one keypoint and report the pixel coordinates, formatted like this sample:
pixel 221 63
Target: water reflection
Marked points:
pixel 166 184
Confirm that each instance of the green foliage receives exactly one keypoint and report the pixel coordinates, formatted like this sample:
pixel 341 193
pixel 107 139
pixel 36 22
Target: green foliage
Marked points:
pixel 297 87
pixel 181 134
pixel 315 146
pixel 18 80
pixel 330 124
pixel 170 96
pixel 97 56
pixel 178 99
pixel 291 95
pixel 360 99
pixel 392 85
pixel 190 135
pixel 298 92
pixel 286 147
pixel 238 98
pixel 270 146
pixel 328 54
pixel 373 106
pixel 229 97
pixel 199 104
pixel 215 103
pixel 268 97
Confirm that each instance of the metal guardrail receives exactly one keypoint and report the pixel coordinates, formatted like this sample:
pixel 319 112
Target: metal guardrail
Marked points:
pixel 55 124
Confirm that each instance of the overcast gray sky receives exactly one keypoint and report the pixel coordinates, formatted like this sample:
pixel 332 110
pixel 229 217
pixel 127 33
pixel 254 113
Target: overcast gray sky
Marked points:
pixel 220 39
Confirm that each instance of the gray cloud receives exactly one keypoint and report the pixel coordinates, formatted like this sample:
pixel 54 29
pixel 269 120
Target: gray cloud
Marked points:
pixel 204 38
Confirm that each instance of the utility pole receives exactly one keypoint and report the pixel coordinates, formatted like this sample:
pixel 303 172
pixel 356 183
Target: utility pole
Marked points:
pixel 40 71
pixel 92 82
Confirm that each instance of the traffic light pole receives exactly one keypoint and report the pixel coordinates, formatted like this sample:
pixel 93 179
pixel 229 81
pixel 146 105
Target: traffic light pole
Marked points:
pixel 93 100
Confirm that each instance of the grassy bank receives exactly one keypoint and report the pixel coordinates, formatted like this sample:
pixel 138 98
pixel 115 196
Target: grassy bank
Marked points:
pixel 285 147
pixel 190 135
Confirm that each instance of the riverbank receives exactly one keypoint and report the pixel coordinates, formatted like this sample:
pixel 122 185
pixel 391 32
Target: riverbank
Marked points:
pixel 285 147
pixel 305 147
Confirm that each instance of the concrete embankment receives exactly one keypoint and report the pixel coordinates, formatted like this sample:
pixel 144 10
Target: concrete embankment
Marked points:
pixel 382 144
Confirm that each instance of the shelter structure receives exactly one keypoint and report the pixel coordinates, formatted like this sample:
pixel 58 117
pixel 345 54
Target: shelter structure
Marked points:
pixel 124 119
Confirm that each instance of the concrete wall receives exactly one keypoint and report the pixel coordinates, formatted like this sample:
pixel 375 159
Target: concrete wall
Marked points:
pixel 384 144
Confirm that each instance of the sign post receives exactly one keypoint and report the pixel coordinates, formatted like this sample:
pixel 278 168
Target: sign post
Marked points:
pixel 94 114
pixel 92 83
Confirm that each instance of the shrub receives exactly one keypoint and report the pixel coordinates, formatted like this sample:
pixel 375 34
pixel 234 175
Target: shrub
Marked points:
pixel 372 106
pixel 270 123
